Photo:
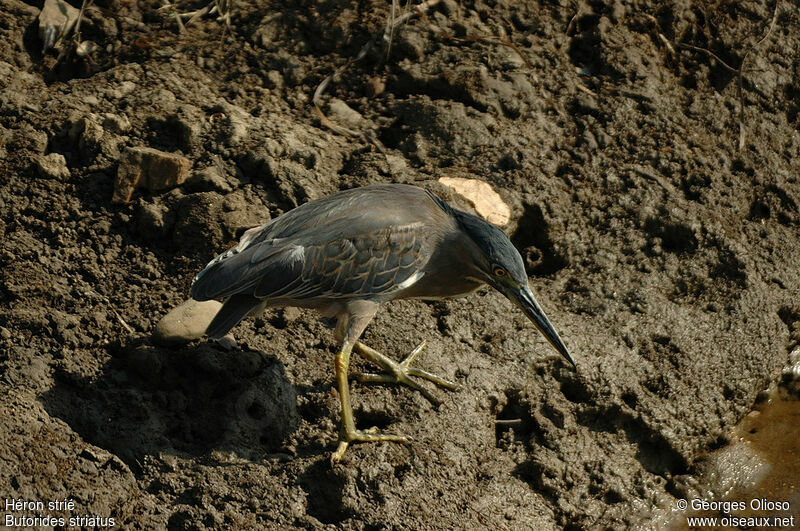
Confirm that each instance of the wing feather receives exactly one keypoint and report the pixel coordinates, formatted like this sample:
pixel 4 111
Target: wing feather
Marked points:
pixel 355 247
pixel 259 270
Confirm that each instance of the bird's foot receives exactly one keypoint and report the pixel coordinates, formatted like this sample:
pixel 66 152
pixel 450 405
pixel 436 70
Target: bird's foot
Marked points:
pixel 401 373
pixel 370 435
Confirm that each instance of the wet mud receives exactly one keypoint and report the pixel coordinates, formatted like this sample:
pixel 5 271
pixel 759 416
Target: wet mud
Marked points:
pixel 655 203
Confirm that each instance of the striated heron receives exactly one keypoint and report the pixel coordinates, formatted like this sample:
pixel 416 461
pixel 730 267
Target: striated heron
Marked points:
pixel 346 254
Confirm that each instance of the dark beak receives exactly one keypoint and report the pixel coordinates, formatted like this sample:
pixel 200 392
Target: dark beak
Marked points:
pixel 524 299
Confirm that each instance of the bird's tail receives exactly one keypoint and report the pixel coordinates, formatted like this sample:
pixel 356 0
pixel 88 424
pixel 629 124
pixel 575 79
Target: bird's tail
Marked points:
pixel 235 308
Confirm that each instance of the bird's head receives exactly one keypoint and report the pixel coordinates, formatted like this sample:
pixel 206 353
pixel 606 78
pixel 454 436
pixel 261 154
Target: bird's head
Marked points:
pixel 498 263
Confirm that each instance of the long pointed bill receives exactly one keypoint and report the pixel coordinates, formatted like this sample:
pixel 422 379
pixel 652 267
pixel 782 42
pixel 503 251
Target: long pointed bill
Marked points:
pixel 525 300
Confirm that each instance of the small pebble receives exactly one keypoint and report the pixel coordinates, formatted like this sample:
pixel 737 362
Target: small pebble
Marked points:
pixel 52 166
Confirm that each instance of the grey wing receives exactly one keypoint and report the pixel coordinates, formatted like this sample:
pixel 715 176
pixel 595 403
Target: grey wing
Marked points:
pixel 369 265
pixel 271 262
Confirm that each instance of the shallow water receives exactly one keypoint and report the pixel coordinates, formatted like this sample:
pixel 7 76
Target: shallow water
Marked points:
pixel 758 474
pixel 773 430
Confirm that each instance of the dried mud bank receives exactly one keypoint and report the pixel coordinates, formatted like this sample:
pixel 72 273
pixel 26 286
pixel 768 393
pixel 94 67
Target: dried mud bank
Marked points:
pixel 665 256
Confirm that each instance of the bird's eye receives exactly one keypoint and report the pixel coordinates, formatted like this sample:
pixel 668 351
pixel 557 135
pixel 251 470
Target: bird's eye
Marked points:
pixel 499 272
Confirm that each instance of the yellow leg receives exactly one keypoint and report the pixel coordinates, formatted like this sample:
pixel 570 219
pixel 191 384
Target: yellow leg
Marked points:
pixel 349 433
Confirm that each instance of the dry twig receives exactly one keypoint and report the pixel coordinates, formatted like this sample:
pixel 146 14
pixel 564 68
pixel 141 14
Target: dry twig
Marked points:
pixel 125 325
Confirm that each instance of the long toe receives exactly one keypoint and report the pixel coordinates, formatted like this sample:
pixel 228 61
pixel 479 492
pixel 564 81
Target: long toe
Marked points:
pixel 370 435
pixel 438 380
pixel 401 377
pixel 401 373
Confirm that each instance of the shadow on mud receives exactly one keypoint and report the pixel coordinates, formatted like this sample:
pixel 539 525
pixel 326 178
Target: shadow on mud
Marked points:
pixel 190 400
pixel 325 488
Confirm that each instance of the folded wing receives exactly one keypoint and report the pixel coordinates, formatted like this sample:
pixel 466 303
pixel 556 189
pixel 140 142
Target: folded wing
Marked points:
pixel 368 265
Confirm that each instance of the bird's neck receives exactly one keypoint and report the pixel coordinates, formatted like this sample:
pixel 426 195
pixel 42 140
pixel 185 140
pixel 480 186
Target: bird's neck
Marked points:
pixel 450 271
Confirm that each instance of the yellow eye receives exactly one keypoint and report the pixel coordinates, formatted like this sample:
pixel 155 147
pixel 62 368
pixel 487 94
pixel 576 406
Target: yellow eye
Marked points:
pixel 499 272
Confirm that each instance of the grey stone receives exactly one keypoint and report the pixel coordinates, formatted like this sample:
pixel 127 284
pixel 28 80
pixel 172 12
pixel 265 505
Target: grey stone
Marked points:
pixel 185 322
pixel 237 122
pixel 585 104
pixel 603 138
pixel 95 144
pixel 589 141
pixel 38 140
pixel 52 166
pixel 189 121
pixel 274 79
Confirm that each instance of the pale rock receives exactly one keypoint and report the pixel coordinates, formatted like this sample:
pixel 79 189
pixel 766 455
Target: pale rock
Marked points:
pixel 186 322
pixel 142 167
pixel 95 143
pixel 487 203
pixel 56 20
pixel 397 164
pixel 52 166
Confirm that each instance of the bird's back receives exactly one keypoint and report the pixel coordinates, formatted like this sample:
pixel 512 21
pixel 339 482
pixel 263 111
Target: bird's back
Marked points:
pixel 362 242
pixel 352 212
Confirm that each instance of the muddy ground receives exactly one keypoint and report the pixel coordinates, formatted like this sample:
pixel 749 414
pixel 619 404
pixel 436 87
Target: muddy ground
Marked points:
pixel 666 256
